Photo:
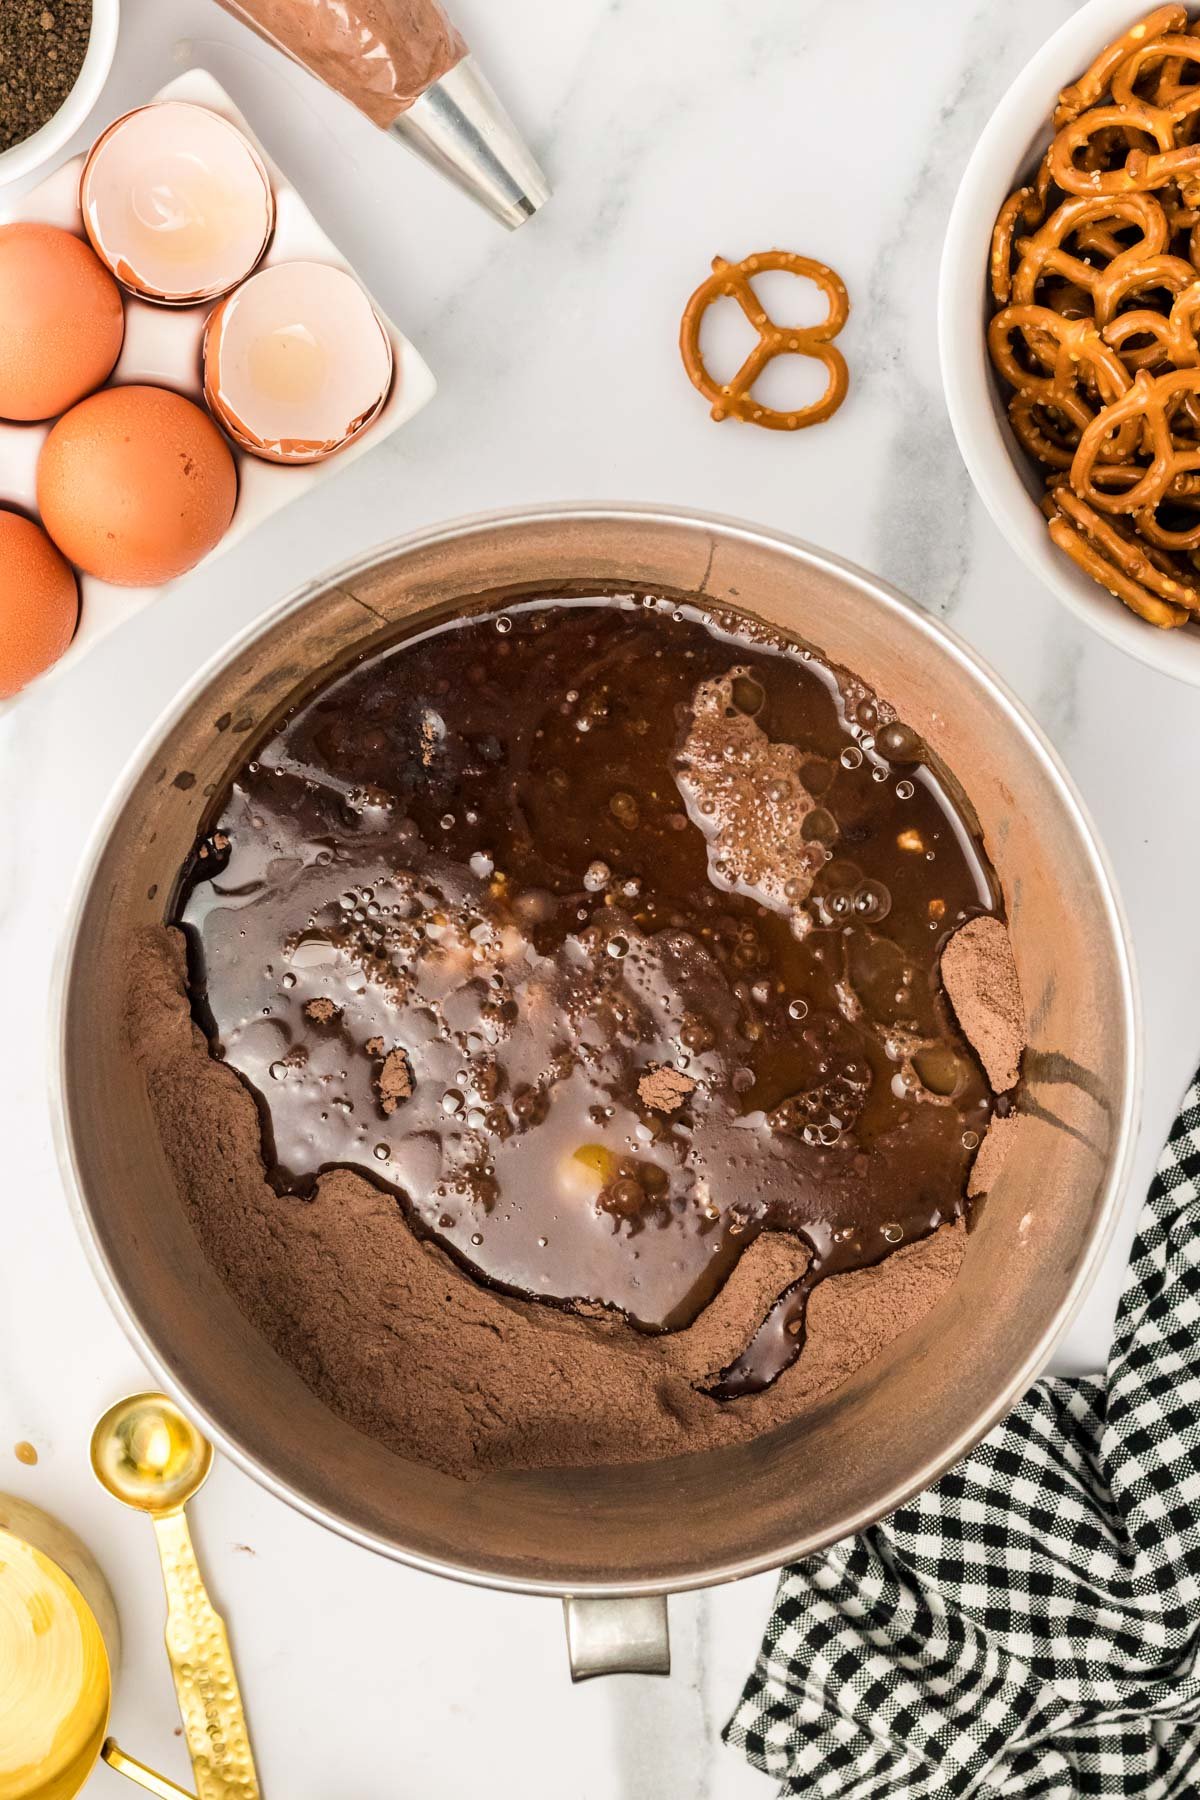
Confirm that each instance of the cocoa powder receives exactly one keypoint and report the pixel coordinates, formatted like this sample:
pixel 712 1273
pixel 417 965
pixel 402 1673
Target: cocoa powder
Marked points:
pixel 980 978
pixel 664 1090
pixel 399 1341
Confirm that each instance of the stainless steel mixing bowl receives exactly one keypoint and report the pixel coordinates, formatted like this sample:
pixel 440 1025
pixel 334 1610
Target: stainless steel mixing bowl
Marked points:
pixel 642 1529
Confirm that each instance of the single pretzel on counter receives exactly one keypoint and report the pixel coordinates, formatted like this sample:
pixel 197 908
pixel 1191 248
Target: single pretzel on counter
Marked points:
pixel 1095 277
pixel 733 399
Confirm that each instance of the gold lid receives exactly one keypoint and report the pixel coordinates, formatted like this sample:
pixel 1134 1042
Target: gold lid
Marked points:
pixel 56 1686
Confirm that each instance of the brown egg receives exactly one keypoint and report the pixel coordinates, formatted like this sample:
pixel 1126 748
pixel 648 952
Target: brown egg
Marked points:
pixel 135 485
pixel 61 321
pixel 39 602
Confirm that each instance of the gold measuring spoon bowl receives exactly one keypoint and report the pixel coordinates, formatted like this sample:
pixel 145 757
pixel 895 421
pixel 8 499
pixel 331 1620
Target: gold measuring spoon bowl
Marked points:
pixel 148 1455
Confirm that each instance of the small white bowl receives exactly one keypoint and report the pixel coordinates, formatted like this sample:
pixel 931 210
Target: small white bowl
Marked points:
pixel 1012 143
pixel 32 152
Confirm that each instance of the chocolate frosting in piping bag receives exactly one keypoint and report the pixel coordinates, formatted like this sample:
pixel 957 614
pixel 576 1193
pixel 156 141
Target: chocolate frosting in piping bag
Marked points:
pixel 403 64
pixel 381 55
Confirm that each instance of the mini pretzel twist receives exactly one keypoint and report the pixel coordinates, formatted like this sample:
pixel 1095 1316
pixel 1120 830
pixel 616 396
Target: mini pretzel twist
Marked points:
pixel 1015 211
pixel 1142 170
pixel 1043 254
pixel 733 399
pixel 1027 206
pixel 1149 402
pixel 1095 80
pixel 1078 351
pixel 1163 537
pixel 1124 278
pixel 1172 52
pixel 1119 477
pixel 1174 332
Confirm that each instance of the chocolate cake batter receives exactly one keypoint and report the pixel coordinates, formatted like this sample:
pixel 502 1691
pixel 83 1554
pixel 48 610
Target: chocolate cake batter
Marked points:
pixel 582 962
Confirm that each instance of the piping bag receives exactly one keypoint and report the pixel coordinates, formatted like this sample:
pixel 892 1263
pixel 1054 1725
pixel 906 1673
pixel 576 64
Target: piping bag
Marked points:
pixel 404 64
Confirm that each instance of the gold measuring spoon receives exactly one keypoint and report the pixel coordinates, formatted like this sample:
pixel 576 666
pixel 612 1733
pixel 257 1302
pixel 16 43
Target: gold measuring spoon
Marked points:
pixel 148 1455
pixel 150 1779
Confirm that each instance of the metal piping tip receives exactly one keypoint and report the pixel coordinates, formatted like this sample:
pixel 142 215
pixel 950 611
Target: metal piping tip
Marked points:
pixel 459 126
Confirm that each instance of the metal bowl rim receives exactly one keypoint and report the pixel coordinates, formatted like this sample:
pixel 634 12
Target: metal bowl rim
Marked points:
pixel 882 593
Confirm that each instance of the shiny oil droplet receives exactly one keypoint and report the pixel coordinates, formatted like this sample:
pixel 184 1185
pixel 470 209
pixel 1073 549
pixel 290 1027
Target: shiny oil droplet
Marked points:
pixel 747 695
pixel 819 826
pixel 382 1152
pixel 477 1238
pixel 970 1140
pixel 503 625
pixel 893 1233
pixel 899 743
pixel 798 1009
pixel 905 790
pixel 851 757
pixel 872 901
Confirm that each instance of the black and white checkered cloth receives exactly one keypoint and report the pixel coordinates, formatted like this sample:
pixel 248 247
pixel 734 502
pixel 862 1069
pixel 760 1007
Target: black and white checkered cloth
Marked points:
pixel 1031 1625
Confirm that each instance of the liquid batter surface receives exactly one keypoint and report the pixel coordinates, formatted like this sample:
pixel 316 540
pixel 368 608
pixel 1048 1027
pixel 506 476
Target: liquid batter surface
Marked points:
pixel 604 936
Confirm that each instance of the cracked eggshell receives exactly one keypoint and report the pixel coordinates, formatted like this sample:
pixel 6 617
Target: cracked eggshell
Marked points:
pixel 177 203
pixel 296 363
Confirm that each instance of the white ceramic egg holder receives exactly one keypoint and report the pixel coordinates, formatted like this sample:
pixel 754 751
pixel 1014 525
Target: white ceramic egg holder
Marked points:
pixel 162 347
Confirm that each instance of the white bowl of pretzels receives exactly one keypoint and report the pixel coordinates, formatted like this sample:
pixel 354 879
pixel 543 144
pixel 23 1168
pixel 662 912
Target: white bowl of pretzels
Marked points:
pixel 1069 309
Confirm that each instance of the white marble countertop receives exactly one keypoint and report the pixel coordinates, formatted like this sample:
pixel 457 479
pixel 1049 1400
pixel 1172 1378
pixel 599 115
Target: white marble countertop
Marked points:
pixel 838 131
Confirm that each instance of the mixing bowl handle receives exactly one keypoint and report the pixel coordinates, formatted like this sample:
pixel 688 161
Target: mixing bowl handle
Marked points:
pixel 617 1637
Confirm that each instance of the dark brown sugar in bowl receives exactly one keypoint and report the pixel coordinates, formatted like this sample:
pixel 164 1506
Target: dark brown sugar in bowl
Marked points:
pixel 42 47
pixel 602 936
